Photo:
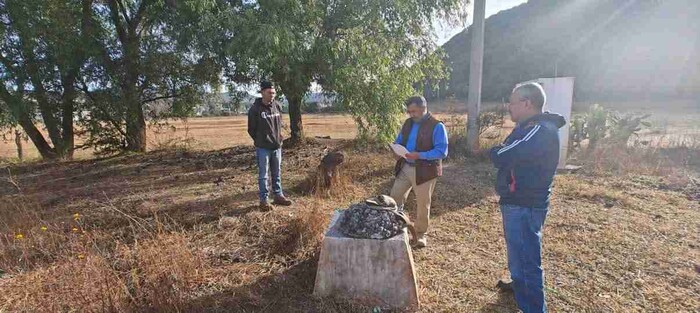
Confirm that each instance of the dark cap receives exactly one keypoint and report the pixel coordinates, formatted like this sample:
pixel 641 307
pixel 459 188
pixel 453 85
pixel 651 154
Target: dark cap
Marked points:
pixel 266 85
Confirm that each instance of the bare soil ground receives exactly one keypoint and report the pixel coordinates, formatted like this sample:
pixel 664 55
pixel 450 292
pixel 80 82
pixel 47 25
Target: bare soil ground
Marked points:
pixel 178 230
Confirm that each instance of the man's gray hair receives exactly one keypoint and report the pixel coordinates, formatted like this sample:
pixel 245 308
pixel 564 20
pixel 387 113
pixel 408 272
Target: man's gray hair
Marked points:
pixel 531 91
pixel 417 100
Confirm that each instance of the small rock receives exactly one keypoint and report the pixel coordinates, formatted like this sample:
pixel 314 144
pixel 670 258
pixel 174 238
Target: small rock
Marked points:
pixel 374 219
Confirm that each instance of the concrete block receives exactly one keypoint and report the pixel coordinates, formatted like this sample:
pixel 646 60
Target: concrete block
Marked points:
pixel 374 272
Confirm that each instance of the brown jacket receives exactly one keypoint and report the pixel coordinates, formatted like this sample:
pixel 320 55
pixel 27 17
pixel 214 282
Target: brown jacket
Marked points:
pixel 425 170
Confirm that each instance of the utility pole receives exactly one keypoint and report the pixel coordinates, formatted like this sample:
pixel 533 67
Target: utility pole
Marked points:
pixel 476 64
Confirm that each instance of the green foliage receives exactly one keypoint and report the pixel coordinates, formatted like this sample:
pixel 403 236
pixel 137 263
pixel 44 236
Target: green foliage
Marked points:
pixel 119 63
pixel 596 125
pixel 627 125
pixel 492 119
pixel 42 50
pixel 490 124
pixel 7 120
pixel 369 53
pixel 145 52
pixel 213 104
pixel 600 125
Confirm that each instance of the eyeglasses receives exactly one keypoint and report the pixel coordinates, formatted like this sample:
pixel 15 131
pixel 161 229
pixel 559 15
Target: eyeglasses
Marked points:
pixel 521 100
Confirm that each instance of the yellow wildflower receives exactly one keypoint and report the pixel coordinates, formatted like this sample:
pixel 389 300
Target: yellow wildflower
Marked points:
pixel 19 236
pixel 81 256
pixel 44 228
pixel 75 229
pixel 76 216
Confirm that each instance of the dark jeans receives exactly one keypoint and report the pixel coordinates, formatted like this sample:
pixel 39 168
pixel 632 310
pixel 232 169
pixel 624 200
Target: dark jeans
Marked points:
pixel 523 231
pixel 269 161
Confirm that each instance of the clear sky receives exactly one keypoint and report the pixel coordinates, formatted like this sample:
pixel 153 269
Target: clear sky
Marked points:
pixel 445 32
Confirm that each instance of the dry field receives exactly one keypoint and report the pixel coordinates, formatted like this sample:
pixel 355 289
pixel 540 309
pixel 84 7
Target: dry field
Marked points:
pixel 178 230
pixel 211 133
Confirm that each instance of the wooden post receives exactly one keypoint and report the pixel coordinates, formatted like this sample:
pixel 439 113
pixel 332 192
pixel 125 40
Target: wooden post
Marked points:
pixel 475 74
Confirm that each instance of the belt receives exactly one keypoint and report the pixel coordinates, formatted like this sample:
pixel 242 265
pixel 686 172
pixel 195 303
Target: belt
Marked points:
pixel 414 164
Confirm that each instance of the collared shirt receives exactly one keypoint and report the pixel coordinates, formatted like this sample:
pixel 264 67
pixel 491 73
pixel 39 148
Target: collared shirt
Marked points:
pixel 440 142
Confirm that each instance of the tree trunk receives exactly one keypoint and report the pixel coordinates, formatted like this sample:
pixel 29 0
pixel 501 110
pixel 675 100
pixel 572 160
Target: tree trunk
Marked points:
pixel 19 112
pixel 135 123
pixel 135 120
pixel 45 106
pixel 297 128
pixel 37 138
pixel 18 142
pixel 68 108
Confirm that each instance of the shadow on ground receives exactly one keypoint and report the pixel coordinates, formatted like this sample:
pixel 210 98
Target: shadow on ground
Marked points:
pixel 288 291
pixel 463 184
pixel 505 303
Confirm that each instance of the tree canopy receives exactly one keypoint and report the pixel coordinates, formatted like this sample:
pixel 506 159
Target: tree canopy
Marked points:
pixel 105 65
pixel 368 53
pixel 41 53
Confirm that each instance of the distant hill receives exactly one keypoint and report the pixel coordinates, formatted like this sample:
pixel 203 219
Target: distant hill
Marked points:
pixel 616 49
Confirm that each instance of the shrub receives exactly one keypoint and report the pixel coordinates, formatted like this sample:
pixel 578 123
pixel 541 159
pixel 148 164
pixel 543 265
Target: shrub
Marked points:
pixel 490 131
pixel 599 125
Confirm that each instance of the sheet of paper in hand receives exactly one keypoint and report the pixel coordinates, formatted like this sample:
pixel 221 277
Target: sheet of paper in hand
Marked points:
pixel 399 149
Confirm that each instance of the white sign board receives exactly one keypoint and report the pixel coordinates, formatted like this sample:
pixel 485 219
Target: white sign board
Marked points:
pixel 560 98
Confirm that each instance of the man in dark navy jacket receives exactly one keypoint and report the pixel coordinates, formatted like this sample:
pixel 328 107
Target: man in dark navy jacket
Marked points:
pixel 526 163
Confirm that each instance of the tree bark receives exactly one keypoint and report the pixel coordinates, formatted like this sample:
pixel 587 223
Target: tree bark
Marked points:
pixel 130 39
pixel 18 143
pixel 45 108
pixel 67 111
pixel 295 123
pixel 37 138
pixel 135 120
pixel 19 112
pixel 135 128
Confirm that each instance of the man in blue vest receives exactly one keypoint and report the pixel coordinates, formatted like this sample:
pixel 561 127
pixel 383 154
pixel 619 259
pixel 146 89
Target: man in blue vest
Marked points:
pixel 526 163
pixel 426 140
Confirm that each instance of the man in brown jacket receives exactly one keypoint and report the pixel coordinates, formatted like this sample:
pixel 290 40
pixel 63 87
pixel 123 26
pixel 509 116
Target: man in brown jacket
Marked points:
pixel 426 140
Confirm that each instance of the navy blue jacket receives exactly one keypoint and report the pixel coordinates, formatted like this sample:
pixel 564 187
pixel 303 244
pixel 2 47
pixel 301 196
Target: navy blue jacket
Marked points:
pixel 527 161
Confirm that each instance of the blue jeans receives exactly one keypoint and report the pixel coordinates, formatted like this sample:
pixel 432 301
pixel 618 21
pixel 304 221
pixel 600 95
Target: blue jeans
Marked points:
pixel 269 161
pixel 523 231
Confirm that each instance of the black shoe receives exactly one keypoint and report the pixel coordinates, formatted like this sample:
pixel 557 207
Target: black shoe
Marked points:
pixel 505 285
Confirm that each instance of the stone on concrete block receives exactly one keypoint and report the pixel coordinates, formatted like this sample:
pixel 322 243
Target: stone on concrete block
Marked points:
pixel 375 272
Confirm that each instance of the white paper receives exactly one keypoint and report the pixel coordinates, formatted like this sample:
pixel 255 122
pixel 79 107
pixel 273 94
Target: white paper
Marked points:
pixel 399 149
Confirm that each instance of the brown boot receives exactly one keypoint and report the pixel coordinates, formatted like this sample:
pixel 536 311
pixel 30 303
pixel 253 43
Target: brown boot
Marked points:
pixel 281 200
pixel 265 206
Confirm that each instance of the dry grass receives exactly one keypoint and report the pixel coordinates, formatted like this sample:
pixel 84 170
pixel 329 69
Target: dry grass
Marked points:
pixel 178 230
pixel 157 274
pixel 208 133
